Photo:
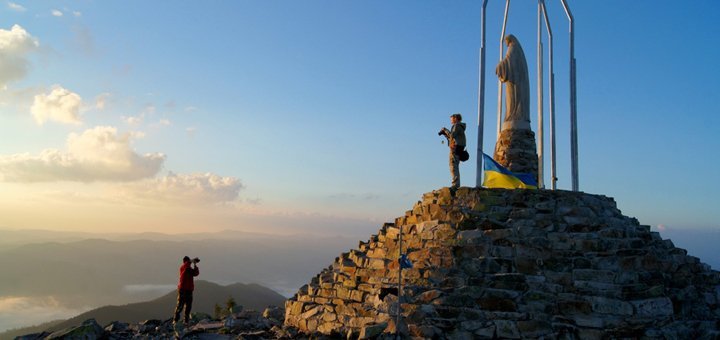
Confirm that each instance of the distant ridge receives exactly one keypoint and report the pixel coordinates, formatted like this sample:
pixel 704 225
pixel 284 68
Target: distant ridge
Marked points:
pixel 207 294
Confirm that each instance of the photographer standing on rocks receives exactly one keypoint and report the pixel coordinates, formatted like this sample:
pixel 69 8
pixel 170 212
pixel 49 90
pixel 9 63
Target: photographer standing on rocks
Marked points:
pixel 456 141
pixel 188 270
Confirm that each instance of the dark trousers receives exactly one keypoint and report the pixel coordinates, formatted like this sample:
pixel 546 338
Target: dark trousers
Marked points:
pixel 185 298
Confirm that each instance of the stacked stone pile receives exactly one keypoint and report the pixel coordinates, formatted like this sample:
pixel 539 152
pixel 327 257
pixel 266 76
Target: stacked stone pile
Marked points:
pixel 494 263
pixel 515 150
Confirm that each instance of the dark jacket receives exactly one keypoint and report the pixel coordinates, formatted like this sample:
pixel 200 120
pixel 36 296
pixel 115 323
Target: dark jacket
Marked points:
pixel 457 133
pixel 187 273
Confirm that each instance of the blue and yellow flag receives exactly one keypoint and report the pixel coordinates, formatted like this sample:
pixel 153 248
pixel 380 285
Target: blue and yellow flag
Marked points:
pixel 496 176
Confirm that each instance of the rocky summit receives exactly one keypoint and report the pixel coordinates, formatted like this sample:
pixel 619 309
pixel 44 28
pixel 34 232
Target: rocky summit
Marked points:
pixel 495 263
pixel 243 324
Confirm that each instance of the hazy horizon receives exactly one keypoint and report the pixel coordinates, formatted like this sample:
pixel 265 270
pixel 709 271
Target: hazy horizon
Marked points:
pixel 62 276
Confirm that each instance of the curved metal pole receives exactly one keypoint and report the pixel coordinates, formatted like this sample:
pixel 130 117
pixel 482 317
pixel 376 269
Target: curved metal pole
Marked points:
pixel 481 101
pixel 540 138
pixel 500 84
pixel 573 102
pixel 551 95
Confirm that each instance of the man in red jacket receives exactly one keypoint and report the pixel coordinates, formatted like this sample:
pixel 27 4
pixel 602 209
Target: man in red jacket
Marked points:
pixel 186 287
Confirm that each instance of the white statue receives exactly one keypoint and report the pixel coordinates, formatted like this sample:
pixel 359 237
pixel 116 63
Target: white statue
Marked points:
pixel 513 71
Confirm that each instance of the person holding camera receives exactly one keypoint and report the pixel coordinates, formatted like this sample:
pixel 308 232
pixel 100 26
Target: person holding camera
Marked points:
pixel 456 141
pixel 188 271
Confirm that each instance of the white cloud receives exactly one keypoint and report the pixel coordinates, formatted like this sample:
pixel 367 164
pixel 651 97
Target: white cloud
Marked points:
pixel 101 100
pixel 164 122
pixel 77 14
pixel 134 120
pixel 60 105
pixel 57 13
pixel 192 189
pixel 98 154
pixel 15 45
pixel 15 7
pixel 149 110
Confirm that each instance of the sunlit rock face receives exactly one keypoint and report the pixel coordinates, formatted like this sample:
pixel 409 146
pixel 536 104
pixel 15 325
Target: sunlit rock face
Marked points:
pixel 513 264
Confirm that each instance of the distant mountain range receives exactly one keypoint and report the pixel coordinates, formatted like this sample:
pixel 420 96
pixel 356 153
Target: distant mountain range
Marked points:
pixel 99 271
pixel 207 294
pixel 78 272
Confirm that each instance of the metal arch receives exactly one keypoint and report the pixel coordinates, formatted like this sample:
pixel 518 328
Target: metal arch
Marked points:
pixel 500 84
pixel 551 95
pixel 573 102
pixel 481 100
pixel 540 136
pixel 573 93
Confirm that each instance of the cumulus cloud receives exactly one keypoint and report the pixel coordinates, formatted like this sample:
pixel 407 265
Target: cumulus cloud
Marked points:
pixel 192 189
pixel 133 120
pixel 98 154
pixel 57 13
pixel 102 100
pixel 15 7
pixel 15 45
pixel 60 105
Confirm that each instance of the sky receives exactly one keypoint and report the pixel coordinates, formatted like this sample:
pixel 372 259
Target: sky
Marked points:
pixel 321 116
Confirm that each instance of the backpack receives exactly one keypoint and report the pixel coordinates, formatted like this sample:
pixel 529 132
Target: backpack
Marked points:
pixel 463 155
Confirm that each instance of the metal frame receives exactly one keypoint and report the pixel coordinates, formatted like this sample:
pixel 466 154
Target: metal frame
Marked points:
pixel 551 95
pixel 573 102
pixel 481 100
pixel 573 96
pixel 500 83
pixel 541 126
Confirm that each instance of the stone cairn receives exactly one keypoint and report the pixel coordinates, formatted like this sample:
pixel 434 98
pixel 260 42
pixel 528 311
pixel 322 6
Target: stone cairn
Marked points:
pixel 516 150
pixel 495 263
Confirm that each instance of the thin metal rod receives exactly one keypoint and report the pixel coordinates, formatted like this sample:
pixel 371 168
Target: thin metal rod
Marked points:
pixel 551 95
pixel 540 138
pixel 573 102
pixel 399 308
pixel 481 101
pixel 500 84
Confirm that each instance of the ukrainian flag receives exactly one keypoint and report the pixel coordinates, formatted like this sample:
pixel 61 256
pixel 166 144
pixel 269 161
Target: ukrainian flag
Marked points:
pixel 496 176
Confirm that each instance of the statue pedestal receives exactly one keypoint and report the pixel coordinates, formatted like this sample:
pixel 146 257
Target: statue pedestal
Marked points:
pixel 516 125
pixel 516 150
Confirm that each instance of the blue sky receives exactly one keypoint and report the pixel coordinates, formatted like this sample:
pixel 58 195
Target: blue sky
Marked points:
pixel 270 114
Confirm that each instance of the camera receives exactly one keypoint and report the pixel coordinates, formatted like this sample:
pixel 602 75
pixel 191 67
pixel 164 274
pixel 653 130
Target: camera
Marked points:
pixel 443 132
pixel 196 260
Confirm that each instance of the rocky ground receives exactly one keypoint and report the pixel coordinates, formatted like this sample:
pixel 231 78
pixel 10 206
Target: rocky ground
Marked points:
pixel 245 324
